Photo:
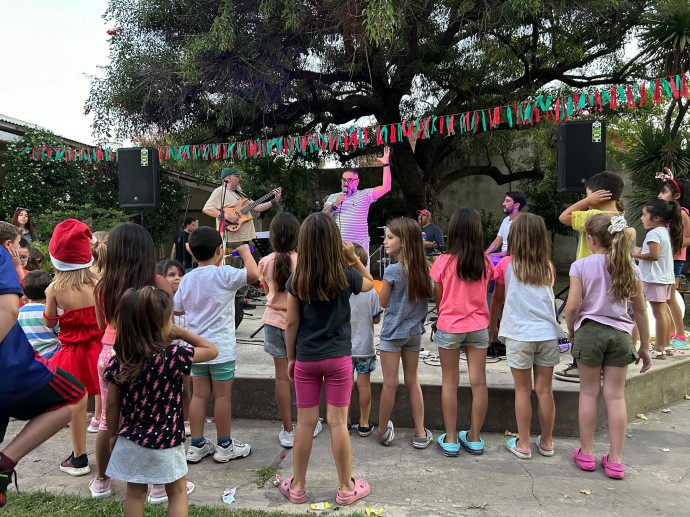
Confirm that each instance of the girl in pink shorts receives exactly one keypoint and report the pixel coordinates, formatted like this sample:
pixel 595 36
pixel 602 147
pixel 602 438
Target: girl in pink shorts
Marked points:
pixel 664 238
pixel 319 349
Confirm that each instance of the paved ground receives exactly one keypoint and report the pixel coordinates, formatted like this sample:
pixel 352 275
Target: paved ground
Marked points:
pixel 409 482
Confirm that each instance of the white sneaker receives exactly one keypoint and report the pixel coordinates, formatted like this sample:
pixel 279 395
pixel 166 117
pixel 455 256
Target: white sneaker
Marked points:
pixel 287 440
pixel 231 452
pixel 318 428
pixel 196 454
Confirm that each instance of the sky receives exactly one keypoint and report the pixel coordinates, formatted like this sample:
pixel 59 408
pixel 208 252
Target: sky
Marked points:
pixel 47 51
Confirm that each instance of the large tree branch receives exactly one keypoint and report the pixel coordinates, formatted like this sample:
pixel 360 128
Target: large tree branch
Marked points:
pixel 487 170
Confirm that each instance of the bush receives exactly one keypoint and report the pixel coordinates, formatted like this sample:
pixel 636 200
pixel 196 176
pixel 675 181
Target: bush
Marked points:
pixel 490 226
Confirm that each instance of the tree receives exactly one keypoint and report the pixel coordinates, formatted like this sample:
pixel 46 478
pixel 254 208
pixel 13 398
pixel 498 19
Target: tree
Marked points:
pixel 247 68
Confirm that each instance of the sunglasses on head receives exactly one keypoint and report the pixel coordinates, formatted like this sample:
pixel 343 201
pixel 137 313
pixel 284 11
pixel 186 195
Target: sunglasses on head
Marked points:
pixel 22 208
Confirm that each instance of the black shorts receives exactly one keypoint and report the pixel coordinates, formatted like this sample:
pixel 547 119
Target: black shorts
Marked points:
pixel 62 390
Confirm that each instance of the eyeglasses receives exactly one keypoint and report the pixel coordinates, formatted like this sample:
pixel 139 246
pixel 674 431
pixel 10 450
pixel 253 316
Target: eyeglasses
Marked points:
pixel 347 181
pixel 23 258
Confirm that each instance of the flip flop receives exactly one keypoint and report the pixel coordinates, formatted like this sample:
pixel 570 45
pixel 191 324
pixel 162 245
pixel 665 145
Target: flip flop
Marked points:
pixel 611 469
pixel 295 496
pixel 543 450
pixel 583 461
pixel 523 454
pixel 362 489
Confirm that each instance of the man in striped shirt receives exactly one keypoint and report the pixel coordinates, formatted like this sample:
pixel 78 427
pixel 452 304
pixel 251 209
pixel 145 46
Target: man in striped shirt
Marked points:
pixel 350 208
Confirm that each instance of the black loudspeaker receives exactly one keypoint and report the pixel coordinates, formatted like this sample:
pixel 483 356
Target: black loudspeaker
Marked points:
pixel 581 152
pixel 139 172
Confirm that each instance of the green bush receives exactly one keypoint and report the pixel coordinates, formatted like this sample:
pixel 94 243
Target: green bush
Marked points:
pixel 490 226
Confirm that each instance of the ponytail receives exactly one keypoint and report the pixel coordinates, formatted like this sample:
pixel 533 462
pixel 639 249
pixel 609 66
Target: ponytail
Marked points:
pixel 676 227
pixel 610 232
pixel 283 269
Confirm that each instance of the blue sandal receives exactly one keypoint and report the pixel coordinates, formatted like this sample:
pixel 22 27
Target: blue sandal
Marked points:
pixel 451 450
pixel 471 447
pixel 523 454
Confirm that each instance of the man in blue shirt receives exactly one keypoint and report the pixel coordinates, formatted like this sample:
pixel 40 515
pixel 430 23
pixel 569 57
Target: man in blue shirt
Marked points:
pixel 432 234
pixel 30 388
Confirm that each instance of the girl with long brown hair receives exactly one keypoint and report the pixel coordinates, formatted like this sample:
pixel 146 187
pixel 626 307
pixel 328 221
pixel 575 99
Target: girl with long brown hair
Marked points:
pixel 462 279
pixel 404 295
pixel 602 286
pixel 148 371
pixel 319 349
pixel 22 220
pixel 529 329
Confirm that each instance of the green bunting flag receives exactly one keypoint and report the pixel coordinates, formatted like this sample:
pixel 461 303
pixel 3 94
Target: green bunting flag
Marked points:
pixel 557 108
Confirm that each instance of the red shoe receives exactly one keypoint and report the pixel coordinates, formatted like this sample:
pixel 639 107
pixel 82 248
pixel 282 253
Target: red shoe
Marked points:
pixel 612 470
pixel 584 461
pixel 362 489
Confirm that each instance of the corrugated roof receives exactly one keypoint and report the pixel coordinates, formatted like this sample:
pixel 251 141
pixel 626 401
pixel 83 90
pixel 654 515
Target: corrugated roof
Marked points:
pixel 28 125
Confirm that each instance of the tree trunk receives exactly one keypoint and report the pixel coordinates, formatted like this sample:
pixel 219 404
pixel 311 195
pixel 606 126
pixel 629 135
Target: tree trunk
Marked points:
pixel 417 193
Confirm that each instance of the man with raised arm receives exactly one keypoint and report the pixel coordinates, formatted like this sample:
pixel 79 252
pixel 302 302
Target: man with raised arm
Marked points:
pixel 350 207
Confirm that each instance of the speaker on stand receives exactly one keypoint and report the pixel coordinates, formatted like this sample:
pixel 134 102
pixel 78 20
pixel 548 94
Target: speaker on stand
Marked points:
pixel 581 153
pixel 139 177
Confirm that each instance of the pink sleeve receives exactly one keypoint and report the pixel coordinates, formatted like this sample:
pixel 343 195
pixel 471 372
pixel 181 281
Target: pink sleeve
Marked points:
pixel 500 270
pixel 437 268
pixel 262 270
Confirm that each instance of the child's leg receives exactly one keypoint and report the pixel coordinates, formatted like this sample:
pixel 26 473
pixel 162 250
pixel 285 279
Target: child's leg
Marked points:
pixel 587 407
pixel 364 390
pixel 523 404
pixel 222 408
pixel 543 380
pixel 614 395
pixel 39 429
pixel 450 377
pixel 476 365
pixel 102 453
pixel 197 408
pixel 390 362
pixel 661 316
pixel 97 408
pixel 304 438
pixel 177 498
pixel 283 398
pixel 410 362
pixel 77 431
pixel 135 499
pixel 340 445
pixel 677 326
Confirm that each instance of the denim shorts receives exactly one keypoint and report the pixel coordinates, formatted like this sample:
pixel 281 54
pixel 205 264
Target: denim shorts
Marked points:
pixel 364 364
pixel 217 372
pixel 451 340
pixel 522 355
pixel 412 343
pixel 274 342
pixel 678 267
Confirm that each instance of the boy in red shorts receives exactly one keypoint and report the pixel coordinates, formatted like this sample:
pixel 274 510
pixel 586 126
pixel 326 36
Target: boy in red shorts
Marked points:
pixel 32 389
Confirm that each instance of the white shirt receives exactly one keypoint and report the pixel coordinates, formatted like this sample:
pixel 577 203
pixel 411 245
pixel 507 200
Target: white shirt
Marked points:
pixel 658 271
pixel 207 297
pixel 503 232
pixel 351 216
pixel 363 307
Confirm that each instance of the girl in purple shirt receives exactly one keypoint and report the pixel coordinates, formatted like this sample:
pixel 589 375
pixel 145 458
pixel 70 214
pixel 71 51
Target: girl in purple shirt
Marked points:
pixel 600 328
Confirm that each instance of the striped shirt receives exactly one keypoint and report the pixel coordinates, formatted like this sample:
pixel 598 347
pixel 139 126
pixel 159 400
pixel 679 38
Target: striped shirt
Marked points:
pixel 42 338
pixel 351 216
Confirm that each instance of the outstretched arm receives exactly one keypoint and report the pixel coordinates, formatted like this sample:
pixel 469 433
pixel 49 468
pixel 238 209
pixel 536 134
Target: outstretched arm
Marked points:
pixel 385 186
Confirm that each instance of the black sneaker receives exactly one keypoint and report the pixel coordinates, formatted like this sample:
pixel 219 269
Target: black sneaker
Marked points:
pixel 5 480
pixel 362 430
pixel 568 374
pixel 78 466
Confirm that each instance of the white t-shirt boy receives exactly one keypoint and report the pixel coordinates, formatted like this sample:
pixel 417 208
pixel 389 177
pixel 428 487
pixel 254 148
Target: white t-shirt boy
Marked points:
pixel 363 308
pixel 207 297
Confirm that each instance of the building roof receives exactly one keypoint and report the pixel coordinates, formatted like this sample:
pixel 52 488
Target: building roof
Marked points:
pixel 12 129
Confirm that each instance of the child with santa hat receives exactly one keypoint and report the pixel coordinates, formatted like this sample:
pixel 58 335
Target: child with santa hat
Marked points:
pixel 72 294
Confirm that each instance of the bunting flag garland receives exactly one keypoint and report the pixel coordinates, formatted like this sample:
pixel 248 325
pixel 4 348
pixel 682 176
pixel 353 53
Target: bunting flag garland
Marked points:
pixel 558 109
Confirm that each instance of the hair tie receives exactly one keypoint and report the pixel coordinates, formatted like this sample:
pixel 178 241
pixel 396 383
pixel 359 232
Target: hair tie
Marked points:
pixel 618 224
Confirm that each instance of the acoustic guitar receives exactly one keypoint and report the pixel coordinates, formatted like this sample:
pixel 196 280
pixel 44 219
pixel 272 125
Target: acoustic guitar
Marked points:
pixel 243 209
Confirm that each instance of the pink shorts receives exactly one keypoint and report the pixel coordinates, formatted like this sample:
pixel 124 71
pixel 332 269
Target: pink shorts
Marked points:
pixel 334 373
pixel 656 292
pixel 103 359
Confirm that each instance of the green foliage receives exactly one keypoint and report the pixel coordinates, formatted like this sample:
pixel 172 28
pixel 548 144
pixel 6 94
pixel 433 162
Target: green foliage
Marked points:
pixel 650 153
pixel 98 219
pixel 379 21
pixel 41 185
pixel 490 225
pixel 544 200
pixel 666 36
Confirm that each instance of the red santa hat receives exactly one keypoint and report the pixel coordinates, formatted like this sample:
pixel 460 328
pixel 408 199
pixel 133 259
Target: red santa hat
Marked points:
pixel 70 246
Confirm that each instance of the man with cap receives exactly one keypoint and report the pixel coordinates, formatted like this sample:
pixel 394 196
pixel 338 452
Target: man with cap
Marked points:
pixel 512 205
pixel 231 179
pixel 432 234
pixel 350 207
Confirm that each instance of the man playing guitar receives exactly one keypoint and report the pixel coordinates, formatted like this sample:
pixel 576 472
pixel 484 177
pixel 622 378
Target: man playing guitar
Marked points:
pixel 233 197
